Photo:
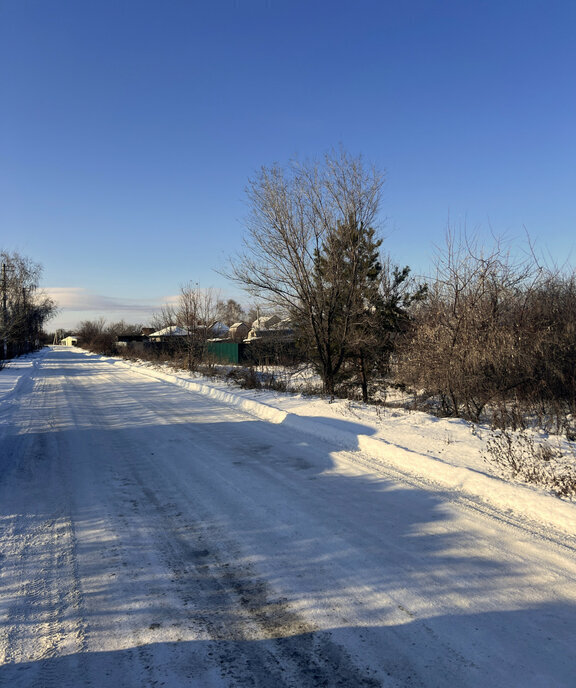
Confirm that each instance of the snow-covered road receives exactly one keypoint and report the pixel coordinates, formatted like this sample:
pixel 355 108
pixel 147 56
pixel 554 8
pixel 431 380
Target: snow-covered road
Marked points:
pixel 151 536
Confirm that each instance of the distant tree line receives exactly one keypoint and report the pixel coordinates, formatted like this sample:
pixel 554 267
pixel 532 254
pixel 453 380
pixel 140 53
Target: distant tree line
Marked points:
pixel 24 309
pixel 100 336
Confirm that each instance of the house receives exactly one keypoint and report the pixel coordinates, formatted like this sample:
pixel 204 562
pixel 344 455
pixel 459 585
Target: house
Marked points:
pixel 271 328
pixel 265 322
pixel 218 330
pixel 69 341
pixel 166 333
pixel 133 342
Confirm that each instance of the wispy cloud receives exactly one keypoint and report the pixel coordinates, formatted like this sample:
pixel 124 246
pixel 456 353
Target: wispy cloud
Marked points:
pixel 76 304
pixel 78 299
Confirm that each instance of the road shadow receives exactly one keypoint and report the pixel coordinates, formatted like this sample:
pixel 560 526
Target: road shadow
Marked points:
pixel 321 658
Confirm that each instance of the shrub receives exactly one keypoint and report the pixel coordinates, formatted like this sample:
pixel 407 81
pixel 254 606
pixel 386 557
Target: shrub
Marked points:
pixel 246 378
pixel 519 455
pixel 496 337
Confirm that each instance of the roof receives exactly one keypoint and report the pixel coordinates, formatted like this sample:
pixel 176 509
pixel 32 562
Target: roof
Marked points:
pixel 170 331
pixel 265 322
pixel 219 327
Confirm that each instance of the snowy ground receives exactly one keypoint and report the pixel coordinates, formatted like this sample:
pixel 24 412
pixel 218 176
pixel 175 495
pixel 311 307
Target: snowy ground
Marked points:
pixel 157 530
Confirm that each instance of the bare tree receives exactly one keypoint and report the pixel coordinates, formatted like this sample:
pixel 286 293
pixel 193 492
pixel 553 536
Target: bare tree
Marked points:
pixel 549 323
pixel 229 312
pixel 196 312
pixel 102 337
pixel 24 307
pixel 165 317
pixel 123 328
pixel 96 336
pixel 294 215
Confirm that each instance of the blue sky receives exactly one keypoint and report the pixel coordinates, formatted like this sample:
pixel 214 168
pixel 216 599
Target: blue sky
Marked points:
pixel 129 128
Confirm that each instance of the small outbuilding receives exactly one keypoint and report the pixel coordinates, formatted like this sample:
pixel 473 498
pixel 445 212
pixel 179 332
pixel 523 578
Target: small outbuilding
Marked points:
pixel 238 331
pixel 69 341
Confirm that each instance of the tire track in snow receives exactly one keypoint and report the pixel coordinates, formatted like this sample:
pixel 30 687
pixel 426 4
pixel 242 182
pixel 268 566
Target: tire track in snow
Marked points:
pixel 43 617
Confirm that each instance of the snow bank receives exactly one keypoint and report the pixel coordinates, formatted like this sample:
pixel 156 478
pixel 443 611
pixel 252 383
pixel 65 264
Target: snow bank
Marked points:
pixel 16 372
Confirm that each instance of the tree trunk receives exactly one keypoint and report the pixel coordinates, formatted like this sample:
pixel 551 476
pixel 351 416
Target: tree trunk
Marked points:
pixel 364 378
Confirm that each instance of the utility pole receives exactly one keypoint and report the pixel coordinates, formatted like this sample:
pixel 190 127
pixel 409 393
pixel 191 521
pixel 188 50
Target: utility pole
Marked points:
pixel 27 330
pixel 4 311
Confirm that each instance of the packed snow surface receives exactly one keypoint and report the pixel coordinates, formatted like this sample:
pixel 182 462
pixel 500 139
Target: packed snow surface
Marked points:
pixel 162 530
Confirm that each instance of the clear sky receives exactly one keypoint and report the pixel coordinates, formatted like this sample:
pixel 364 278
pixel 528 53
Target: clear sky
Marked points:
pixel 129 128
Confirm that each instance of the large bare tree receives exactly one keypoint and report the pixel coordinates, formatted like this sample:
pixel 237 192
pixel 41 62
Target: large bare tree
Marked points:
pixel 297 214
pixel 24 308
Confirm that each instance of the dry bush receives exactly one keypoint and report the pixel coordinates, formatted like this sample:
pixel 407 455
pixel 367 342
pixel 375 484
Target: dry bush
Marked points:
pixel 519 455
pixel 95 336
pixel 249 378
pixel 495 338
pixel 551 314
pixel 465 349
pixel 246 378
